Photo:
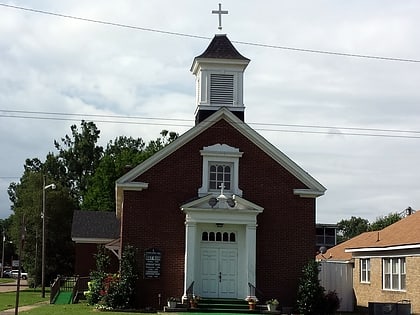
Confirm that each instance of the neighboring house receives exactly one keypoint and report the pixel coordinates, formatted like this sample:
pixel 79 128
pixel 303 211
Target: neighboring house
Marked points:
pixel 220 209
pixel 90 229
pixel 386 263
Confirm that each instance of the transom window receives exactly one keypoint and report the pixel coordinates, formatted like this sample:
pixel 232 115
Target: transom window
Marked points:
pixel 365 270
pixel 394 273
pixel 220 174
pixel 209 236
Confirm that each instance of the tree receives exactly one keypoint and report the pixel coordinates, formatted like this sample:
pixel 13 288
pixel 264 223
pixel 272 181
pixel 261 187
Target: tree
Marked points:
pixel 78 158
pixel 27 202
pixel 348 229
pixel 310 292
pixel 122 153
pixel 383 221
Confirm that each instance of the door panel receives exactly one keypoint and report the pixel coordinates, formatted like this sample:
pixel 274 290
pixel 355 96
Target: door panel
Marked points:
pixel 209 272
pixel 219 272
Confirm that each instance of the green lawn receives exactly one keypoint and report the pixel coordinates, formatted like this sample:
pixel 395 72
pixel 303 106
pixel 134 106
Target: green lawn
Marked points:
pixel 6 280
pixel 26 297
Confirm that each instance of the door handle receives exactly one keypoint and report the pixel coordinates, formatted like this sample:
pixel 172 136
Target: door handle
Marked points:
pixel 220 276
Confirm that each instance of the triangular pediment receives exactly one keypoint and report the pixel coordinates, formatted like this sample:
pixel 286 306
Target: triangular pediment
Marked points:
pixel 127 181
pixel 223 203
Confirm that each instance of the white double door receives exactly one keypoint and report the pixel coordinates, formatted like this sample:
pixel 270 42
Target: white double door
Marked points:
pixel 219 272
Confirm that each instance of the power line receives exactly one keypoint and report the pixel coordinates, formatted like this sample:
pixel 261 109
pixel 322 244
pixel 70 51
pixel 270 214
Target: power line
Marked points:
pixel 208 38
pixel 172 122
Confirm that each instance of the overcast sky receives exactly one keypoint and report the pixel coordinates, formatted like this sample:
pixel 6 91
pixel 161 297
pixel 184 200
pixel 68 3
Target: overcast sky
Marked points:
pixel 53 67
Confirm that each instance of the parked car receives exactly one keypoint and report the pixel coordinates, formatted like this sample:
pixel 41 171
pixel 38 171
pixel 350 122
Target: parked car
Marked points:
pixel 7 273
pixel 15 273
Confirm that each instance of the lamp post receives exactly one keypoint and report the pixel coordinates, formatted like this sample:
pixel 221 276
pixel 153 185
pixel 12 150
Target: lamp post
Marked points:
pixel 2 255
pixel 43 216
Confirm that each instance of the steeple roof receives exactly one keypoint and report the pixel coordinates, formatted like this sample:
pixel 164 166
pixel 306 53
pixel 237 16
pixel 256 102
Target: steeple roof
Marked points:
pixel 221 47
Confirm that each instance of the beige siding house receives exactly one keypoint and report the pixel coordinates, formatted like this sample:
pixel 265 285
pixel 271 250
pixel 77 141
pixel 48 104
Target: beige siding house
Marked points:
pixel 386 263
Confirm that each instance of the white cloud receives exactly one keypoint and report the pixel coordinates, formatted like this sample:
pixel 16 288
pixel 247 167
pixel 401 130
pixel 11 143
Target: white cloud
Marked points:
pixel 55 64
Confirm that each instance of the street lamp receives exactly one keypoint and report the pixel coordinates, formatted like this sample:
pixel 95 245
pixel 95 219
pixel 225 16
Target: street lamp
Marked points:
pixel 43 216
pixel 2 255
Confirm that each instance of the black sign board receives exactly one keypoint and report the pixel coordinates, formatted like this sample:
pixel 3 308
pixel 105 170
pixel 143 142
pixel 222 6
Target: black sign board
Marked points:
pixel 152 259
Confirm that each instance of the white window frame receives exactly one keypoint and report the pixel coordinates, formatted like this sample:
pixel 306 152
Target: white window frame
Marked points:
pixel 227 188
pixel 394 273
pixel 365 270
pixel 220 154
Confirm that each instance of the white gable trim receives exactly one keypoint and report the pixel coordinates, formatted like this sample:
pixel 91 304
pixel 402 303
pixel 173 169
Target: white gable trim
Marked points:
pixel 119 192
pixel 315 188
pixel 382 249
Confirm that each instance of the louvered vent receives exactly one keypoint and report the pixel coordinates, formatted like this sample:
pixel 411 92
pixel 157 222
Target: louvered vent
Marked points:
pixel 221 89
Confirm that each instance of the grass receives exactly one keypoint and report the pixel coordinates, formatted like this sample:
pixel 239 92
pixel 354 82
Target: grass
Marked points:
pixel 26 297
pixel 6 280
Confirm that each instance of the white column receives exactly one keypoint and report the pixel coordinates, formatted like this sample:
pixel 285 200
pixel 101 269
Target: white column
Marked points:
pixel 251 246
pixel 190 254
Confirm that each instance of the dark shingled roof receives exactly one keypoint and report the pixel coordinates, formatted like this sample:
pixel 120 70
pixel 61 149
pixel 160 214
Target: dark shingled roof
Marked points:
pixel 95 224
pixel 221 47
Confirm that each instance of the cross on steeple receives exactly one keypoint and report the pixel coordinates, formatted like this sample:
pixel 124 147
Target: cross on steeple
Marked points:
pixel 219 12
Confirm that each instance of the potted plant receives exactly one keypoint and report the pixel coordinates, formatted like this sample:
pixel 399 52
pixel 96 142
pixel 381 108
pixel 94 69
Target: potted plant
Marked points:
pixel 194 301
pixel 252 300
pixel 272 305
pixel 172 302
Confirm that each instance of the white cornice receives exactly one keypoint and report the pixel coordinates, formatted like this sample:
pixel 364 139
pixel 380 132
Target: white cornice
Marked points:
pixel 381 249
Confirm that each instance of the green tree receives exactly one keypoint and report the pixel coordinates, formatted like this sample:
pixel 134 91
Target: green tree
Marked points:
pixel 383 221
pixel 348 229
pixel 119 154
pixel 78 157
pixel 310 292
pixel 27 202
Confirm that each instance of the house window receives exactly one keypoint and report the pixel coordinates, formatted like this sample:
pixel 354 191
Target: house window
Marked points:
pixel 394 274
pixel 220 165
pixel 220 174
pixel 365 270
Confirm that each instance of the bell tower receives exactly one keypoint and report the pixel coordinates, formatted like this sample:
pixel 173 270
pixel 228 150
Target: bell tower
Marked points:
pixel 219 79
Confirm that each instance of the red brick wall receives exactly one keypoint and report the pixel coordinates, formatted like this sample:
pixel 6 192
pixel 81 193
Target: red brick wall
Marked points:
pixel 85 261
pixel 286 228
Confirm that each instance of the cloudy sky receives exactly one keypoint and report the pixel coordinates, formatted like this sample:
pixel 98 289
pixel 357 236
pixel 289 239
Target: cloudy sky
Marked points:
pixel 353 123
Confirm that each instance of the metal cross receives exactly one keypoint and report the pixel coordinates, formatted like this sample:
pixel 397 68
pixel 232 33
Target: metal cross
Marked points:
pixel 219 12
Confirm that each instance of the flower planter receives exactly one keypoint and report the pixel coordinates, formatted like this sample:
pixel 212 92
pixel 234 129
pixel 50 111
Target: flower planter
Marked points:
pixel 251 306
pixel 271 307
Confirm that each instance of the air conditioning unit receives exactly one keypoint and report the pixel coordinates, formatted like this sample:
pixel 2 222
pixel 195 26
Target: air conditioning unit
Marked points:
pixel 384 308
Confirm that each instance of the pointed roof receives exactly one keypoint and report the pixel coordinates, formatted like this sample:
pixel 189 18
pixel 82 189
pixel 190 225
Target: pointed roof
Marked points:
pixel 126 182
pixel 98 225
pixel 338 252
pixel 403 234
pixel 221 48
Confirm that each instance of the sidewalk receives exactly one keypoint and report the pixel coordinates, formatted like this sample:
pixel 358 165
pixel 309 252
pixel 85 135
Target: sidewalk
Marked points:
pixel 11 311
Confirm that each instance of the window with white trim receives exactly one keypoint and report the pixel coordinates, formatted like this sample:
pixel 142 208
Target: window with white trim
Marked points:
pixel 365 270
pixel 220 173
pixel 394 273
pixel 220 166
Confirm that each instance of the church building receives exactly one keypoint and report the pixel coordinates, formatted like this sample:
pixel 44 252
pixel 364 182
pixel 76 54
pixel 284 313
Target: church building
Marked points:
pixel 220 211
